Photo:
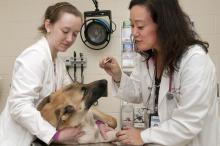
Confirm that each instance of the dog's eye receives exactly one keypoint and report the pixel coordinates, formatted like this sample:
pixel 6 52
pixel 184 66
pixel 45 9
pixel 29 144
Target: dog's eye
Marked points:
pixel 84 90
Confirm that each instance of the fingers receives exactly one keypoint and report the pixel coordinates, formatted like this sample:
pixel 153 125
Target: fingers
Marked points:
pixel 70 133
pixel 81 133
pixel 111 66
pixel 76 130
pixel 102 62
pixel 126 127
pixel 131 136
pixel 122 137
pixel 105 61
pixel 126 141
pixel 121 133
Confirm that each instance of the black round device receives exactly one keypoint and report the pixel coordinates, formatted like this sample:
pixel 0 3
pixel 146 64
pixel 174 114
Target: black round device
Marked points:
pixel 97 32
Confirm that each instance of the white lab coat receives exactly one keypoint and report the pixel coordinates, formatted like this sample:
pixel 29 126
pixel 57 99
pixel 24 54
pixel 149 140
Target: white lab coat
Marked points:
pixel 33 79
pixel 189 119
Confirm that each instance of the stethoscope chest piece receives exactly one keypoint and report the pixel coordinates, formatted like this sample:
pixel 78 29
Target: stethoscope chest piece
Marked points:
pixel 169 95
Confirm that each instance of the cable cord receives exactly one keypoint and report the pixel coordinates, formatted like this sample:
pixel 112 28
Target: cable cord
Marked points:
pixel 67 69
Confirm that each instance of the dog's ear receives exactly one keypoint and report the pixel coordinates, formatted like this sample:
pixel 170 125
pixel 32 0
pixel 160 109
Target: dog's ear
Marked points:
pixel 43 102
pixel 64 113
pixel 69 109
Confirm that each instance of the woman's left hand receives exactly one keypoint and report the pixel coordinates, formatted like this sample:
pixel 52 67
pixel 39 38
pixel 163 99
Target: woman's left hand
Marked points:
pixel 130 136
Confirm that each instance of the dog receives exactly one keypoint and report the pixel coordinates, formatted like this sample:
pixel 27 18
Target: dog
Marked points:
pixel 72 106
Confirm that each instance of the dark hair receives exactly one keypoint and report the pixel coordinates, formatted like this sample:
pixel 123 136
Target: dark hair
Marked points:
pixel 54 12
pixel 175 31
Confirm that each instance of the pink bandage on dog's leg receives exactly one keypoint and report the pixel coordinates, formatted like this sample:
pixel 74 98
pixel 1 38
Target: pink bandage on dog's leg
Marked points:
pixel 98 122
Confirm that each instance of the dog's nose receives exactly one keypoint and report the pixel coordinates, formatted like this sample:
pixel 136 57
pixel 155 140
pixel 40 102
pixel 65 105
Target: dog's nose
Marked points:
pixel 104 84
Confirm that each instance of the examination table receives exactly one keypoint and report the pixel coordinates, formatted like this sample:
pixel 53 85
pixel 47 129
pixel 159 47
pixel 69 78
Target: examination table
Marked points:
pixel 96 144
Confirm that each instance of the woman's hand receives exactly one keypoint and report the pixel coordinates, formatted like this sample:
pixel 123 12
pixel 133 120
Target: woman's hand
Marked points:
pixel 130 136
pixel 69 135
pixel 111 66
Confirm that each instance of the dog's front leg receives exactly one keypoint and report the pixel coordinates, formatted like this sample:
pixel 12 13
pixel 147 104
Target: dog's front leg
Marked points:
pixel 108 119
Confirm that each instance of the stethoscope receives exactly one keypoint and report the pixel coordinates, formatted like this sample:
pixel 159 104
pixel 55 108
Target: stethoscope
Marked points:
pixel 147 55
pixel 169 94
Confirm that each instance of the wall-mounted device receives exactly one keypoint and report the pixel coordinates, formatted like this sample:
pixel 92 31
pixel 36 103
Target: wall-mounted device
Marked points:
pixel 97 28
pixel 76 62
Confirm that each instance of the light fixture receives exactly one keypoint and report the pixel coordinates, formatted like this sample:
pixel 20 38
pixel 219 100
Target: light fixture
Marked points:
pixel 97 28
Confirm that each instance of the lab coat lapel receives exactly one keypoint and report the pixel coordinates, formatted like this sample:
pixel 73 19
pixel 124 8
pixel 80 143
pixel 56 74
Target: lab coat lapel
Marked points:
pixel 164 88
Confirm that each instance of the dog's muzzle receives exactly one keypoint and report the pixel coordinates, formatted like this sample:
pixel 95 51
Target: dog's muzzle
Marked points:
pixel 99 90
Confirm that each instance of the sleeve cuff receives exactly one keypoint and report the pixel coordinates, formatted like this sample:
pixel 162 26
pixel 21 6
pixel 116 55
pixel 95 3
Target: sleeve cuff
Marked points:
pixel 145 135
pixel 115 88
pixel 48 137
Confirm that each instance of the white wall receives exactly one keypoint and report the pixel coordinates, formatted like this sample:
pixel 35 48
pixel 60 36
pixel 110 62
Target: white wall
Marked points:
pixel 20 19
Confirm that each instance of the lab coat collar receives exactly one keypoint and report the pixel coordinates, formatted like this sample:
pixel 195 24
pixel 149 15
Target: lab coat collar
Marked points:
pixel 45 45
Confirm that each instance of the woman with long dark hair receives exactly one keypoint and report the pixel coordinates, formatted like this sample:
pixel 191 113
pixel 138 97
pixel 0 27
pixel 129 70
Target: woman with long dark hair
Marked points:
pixel 174 78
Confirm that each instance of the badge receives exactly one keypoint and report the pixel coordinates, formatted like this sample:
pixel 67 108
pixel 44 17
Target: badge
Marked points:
pixel 154 120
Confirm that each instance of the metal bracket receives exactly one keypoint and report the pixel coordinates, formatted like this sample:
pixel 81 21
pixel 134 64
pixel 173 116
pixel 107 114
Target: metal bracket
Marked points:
pixel 76 61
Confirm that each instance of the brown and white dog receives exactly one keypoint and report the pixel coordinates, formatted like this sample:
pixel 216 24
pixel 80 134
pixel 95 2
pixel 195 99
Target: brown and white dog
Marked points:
pixel 72 106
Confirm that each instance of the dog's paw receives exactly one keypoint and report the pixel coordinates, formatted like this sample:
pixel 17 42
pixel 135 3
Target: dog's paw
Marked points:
pixel 111 136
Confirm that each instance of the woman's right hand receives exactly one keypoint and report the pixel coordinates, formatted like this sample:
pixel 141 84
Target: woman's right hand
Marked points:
pixel 69 135
pixel 111 66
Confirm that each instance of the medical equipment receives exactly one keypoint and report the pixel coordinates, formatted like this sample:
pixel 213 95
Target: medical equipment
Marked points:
pixel 127 116
pixel 76 62
pixel 82 68
pixel 97 28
